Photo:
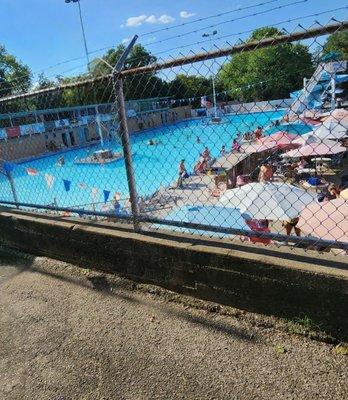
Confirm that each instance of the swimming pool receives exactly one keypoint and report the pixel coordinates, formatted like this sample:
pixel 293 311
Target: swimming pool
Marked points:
pixel 292 127
pixel 207 215
pixel 154 166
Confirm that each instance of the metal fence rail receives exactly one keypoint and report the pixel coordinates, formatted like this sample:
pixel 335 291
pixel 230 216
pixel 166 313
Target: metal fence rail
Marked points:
pixel 196 159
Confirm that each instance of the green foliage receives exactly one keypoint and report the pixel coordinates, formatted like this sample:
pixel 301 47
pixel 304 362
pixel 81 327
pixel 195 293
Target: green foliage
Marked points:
pixel 135 87
pixel 337 42
pixel 183 86
pixel 269 73
pixel 138 57
pixel 14 75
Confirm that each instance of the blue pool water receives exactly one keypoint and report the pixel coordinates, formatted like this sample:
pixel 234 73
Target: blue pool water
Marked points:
pixel 207 215
pixel 154 166
pixel 293 127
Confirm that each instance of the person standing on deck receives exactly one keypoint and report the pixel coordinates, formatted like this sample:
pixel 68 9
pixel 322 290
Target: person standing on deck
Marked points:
pixel 182 174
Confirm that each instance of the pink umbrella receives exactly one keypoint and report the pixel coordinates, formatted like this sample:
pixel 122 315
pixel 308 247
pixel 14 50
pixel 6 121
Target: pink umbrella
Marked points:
pixel 276 141
pixel 280 139
pixel 326 147
pixel 327 220
pixel 339 115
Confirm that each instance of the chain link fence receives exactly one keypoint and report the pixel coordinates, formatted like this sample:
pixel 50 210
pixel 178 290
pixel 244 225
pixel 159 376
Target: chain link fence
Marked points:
pixel 245 142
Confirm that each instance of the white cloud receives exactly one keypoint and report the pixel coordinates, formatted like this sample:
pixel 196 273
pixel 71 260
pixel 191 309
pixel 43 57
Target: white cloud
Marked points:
pixel 151 19
pixel 163 19
pixel 126 40
pixel 186 14
pixel 151 39
pixel 135 21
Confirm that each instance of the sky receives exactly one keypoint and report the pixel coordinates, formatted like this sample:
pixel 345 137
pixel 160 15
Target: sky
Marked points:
pixel 42 33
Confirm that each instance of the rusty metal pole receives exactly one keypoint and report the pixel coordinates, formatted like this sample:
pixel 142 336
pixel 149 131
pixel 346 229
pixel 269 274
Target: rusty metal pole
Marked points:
pixel 13 187
pixel 124 133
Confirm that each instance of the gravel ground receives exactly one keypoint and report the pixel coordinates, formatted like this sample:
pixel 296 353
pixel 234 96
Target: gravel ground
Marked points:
pixel 70 335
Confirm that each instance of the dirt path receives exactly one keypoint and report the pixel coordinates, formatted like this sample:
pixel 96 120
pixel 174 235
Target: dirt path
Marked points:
pixel 63 337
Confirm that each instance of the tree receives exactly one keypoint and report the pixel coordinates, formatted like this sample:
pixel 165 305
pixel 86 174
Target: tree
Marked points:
pixel 269 73
pixel 14 75
pixel 337 42
pixel 51 99
pixel 137 57
pixel 188 86
pixel 135 86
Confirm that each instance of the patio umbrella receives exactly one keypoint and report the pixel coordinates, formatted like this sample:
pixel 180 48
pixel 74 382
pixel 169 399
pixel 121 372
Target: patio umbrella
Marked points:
pixel 325 147
pixel 280 139
pixel 272 201
pixel 344 194
pixel 276 141
pixel 338 115
pixel 331 130
pixel 327 220
pixel 307 138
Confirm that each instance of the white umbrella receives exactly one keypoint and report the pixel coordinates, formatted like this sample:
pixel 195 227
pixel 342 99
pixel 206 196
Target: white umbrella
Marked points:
pixel 272 201
pixel 331 130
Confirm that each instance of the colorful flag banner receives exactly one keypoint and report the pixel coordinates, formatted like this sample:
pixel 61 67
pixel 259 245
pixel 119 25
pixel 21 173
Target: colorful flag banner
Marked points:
pixel 12 131
pixel 67 185
pixel 32 171
pixel 106 194
pixel 49 180
pixel 8 166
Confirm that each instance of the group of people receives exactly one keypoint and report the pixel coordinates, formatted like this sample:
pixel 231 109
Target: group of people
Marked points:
pixel 204 162
pixel 250 136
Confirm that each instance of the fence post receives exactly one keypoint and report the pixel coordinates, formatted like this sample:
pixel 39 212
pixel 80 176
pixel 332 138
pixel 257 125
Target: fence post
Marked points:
pixel 122 115
pixel 13 187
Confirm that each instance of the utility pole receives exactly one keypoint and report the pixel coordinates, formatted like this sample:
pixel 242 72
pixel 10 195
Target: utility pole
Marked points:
pixel 210 36
pixel 82 29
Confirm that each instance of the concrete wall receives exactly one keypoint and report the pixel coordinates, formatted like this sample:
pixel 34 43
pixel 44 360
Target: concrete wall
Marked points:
pixel 263 280
pixel 156 119
pixel 258 106
pixel 33 145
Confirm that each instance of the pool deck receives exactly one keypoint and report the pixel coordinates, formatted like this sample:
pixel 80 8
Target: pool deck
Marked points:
pixel 195 191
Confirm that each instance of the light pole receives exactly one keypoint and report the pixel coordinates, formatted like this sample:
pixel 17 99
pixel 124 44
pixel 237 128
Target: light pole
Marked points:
pixel 210 36
pixel 82 28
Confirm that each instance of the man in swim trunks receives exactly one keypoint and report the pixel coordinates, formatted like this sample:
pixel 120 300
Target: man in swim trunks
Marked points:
pixel 182 174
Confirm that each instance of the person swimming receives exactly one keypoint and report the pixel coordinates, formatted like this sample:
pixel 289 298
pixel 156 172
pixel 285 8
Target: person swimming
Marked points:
pixel 198 140
pixel 60 162
pixel 153 142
